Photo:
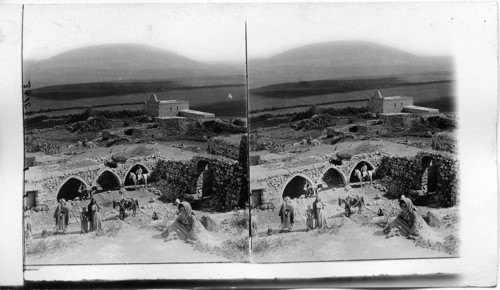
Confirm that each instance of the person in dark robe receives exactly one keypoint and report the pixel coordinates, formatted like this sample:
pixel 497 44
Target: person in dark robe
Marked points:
pixel 286 214
pixel 61 215
pixel 94 216
pixel 84 220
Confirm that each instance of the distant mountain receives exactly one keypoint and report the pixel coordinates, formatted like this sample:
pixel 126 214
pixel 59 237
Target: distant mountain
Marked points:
pixel 119 62
pixel 344 60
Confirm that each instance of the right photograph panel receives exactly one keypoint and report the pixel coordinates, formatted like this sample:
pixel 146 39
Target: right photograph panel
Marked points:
pixel 353 152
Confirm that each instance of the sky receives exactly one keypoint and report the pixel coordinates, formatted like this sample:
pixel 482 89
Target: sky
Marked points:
pixel 215 32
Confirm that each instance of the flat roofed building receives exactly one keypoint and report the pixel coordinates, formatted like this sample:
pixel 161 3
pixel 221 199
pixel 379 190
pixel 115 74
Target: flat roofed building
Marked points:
pixel 393 104
pixel 167 108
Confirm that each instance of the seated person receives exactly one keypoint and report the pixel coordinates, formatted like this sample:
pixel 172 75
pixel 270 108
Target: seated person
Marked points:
pixel 363 173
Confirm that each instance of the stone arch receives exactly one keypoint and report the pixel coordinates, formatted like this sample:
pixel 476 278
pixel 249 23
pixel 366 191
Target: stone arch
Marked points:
pixel 294 186
pixel 204 179
pixel 68 189
pixel 352 177
pixel 339 178
pixel 430 171
pixel 102 180
pixel 126 178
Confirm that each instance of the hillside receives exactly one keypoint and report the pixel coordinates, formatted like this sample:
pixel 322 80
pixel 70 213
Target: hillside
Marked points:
pixel 345 59
pixel 118 62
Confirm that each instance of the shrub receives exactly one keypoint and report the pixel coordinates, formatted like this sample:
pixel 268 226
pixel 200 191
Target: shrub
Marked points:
pixel 218 127
pixel 442 122
pixel 90 125
pixel 119 158
pixel 238 122
pixel 239 220
pixel 305 115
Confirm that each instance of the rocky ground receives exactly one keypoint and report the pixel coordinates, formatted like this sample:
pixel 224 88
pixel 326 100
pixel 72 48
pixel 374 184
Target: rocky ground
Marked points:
pixel 359 237
pixel 137 239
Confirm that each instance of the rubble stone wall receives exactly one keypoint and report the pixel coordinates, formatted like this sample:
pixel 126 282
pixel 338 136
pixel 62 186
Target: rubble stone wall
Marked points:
pixel 396 122
pixel 173 125
pixel 222 148
pixel 444 141
pixel 228 177
pixel 407 172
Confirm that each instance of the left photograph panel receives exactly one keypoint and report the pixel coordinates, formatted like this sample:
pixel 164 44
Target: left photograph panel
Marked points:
pixel 135 134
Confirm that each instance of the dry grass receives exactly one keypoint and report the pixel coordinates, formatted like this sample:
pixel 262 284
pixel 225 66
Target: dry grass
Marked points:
pixel 42 247
pixel 450 245
pixel 110 229
pixel 271 243
pixel 235 249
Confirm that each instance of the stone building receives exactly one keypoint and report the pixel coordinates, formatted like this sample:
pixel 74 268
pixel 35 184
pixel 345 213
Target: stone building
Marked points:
pixel 397 104
pixel 173 108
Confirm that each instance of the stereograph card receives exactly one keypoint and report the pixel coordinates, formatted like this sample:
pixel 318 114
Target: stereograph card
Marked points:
pixel 250 142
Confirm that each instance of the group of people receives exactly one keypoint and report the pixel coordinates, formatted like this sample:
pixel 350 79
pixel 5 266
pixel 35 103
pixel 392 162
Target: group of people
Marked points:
pixel 315 214
pixel 90 219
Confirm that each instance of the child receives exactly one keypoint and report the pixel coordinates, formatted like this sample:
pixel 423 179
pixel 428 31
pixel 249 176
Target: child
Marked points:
pixel 84 219
pixel 310 218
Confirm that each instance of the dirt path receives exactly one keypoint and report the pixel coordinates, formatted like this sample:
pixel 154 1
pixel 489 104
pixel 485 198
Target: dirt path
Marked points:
pixel 130 245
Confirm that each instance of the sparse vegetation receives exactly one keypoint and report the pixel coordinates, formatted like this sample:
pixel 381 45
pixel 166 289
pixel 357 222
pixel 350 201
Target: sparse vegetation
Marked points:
pixel 44 246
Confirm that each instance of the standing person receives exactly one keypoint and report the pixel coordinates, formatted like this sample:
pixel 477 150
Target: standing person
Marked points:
pixel 61 215
pixel 253 224
pixel 310 218
pixel 94 217
pixel 28 227
pixel 84 219
pixel 287 214
pixel 319 213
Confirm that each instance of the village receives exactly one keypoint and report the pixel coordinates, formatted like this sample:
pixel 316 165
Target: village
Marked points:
pixel 357 172
pixel 116 195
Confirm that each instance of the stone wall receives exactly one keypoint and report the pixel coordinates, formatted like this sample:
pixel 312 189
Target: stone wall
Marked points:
pixel 225 146
pixel 396 122
pixel 228 177
pixel 172 125
pixel 372 130
pixel 177 179
pixel 275 182
pixel 403 174
pixel 49 185
pixel 444 141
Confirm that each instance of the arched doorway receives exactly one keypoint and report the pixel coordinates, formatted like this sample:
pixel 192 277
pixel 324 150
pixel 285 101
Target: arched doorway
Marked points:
pixel 353 178
pixel 333 178
pixel 107 180
pixel 204 182
pixel 296 187
pixel 71 189
pixel 129 178
pixel 430 174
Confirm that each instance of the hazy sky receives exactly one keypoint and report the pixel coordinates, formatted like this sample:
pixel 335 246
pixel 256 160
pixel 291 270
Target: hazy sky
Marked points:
pixel 215 32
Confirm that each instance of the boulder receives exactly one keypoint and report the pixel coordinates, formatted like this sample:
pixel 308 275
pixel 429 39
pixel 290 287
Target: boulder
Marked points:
pixel 210 224
pixel 433 219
